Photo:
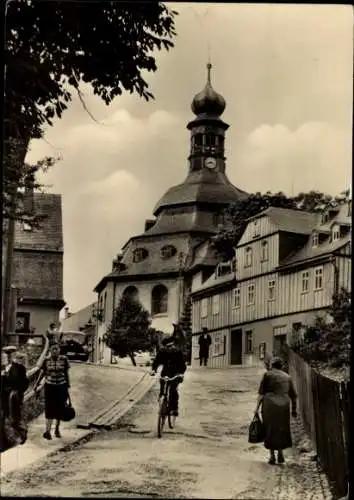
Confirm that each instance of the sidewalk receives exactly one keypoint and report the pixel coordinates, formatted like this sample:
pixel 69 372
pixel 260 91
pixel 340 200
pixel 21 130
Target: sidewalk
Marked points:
pixel 93 388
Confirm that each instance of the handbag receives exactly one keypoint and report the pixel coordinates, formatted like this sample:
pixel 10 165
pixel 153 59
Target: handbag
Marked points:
pixel 68 412
pixel 256 431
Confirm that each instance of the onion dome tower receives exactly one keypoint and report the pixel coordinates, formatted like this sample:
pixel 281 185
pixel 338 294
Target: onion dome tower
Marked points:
pixel 206 183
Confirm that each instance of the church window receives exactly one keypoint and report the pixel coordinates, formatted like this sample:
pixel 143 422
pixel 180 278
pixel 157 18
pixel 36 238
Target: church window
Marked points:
pixel 140 254
pixel 132 292
pixel 159 300
pixel 168 251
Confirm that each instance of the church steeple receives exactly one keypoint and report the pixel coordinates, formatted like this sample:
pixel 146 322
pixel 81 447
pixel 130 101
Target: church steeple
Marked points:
pixel 207 129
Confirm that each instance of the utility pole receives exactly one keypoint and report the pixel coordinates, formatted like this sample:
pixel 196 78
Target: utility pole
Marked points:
pixel 180 284
pixel 7 314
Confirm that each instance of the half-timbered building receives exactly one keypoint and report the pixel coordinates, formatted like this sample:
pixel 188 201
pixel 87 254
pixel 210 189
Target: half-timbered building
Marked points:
pixel 289 263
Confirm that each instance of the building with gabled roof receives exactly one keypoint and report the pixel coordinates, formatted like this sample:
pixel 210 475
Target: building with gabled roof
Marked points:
pixel 289 264
pixel 158 264
pixel 38 265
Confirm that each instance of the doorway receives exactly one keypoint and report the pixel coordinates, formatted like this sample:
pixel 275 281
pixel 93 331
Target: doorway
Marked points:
pixel 279 343
pixel 236 347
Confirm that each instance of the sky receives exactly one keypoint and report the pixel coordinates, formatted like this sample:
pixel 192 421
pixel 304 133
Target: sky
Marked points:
pixel 285 72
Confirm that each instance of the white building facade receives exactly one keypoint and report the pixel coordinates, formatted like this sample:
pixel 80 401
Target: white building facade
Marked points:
pixel 158 265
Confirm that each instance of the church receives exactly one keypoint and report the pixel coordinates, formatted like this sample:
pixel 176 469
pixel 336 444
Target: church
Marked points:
pixel 162 265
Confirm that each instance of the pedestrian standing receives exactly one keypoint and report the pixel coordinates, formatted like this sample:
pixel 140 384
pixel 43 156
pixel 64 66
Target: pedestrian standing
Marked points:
pixel 55 370
pixel 276 392
pixel 16 384
pixel 204 346
pixel 267 360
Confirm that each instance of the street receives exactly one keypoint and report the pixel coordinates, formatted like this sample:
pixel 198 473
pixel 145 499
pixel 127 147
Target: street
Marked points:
pixel 206 456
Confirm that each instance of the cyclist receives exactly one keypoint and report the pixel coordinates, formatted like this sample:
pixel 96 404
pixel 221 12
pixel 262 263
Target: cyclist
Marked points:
pixel 170 356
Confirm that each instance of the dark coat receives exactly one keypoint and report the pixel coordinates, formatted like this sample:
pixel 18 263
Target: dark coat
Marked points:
pixel 16 379
pixel 172 361
pixel 14 382
pixel 204 344
pixel 278 392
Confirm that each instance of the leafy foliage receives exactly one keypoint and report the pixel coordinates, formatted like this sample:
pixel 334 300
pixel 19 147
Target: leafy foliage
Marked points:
pixel 51 47
pixel 236 214
pixel 329 342
pixel 22 181
pixel 129 331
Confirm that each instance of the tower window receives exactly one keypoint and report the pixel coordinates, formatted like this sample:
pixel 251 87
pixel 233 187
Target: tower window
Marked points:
pixel 210 140
pixel 198 139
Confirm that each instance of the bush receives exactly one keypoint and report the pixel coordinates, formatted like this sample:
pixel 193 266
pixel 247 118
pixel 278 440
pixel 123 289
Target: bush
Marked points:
pixel 329 342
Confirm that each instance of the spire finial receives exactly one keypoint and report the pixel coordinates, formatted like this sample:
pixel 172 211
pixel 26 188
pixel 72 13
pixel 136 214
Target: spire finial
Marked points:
pixel 209 66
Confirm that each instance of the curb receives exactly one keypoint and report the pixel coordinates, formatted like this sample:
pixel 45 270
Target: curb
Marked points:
pixel 109 412
pixel 116 366
pixel 88 433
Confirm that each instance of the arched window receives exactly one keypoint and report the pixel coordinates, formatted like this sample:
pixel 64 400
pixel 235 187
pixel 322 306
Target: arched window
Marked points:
pixel 132 292
pixel 140 254
pixel 168 251
pixel 159 299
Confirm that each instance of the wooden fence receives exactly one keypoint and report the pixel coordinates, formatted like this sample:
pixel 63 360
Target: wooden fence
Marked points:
pixel 324 409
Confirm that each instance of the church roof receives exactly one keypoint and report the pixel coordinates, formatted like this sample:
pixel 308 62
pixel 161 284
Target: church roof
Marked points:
pixel 153 264
pixel 202 186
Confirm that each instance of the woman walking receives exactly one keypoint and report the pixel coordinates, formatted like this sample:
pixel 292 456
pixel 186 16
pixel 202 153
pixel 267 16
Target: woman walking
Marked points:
pixel 276 391
pixel 56 372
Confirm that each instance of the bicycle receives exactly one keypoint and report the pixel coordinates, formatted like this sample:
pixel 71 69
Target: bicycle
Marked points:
pixel 164 406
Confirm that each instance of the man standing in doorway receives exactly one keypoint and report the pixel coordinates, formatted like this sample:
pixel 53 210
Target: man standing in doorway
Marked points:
pixel 204 345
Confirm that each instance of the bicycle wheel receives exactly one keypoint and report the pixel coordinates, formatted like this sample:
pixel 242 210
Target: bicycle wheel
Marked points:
pixel 161 417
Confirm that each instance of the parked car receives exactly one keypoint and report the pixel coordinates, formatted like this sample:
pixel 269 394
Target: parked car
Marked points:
pixel 75 345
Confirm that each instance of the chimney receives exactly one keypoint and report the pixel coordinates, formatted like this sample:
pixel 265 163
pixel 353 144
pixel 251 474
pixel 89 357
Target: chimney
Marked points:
pixel 28 194
pixel 149 223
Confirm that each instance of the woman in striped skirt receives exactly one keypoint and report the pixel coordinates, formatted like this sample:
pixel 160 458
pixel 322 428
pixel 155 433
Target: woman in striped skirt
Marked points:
pixel 56 372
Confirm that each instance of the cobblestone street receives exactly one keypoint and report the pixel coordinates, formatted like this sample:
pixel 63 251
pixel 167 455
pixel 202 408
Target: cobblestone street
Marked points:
pixel 206 456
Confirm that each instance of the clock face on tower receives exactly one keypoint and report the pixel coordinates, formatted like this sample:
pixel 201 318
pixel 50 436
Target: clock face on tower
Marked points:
pixel 210 163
